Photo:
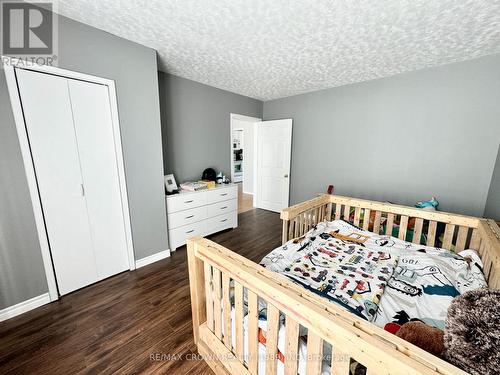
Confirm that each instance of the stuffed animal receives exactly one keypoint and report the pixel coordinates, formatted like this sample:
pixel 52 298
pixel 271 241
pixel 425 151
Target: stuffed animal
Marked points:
pixel 430 205
pixel 472 333
pixel 423 335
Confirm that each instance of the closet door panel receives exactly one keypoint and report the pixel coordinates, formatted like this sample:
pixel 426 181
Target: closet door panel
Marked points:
pixel 96 144
pixel 49 123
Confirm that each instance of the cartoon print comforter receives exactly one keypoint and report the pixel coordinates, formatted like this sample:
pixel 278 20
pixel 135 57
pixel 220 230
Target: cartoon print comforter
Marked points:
pixel 333 261
pixel 378 277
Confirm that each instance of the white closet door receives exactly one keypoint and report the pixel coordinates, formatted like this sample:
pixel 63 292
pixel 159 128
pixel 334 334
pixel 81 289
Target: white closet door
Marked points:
pixel 49 122
pixel 96 145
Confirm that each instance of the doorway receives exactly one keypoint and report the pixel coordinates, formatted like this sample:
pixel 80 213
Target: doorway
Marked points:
pixel 242 131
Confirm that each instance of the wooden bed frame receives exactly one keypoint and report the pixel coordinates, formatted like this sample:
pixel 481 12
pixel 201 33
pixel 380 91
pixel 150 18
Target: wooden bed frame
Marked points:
pixel 212 267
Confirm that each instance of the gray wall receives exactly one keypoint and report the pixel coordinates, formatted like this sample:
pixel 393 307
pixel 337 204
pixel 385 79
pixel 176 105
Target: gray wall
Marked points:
pixel 402 138
pixel 195 125
pixel 492 209
pixel 133 67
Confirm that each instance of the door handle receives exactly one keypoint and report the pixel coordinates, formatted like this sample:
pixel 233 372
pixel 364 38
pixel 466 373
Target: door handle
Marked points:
pixel 223 194
pixel 82 189
pixel 191 201
pixel 189 217
pixel 286 176
pixel 190 231
pixel 223 208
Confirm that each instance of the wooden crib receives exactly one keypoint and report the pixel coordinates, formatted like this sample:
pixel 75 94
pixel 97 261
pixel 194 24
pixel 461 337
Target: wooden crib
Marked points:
pixel 213 267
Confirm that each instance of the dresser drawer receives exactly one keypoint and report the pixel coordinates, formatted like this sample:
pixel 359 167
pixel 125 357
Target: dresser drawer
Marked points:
pixel 222 194
pixel 221 222
pixel 181 218
pixel 223 207
pixel 178 236
pixel 182 202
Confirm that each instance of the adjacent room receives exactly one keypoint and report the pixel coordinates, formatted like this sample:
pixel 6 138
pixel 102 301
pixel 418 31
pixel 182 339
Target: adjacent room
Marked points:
pixel 250 187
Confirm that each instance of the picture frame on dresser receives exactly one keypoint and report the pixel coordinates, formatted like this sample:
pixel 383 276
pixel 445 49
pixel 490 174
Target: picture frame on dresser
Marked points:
pixel 170 184
pixel 200 213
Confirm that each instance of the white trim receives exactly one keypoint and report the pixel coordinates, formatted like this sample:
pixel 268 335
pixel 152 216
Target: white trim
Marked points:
pixel 255 162
pixel 9 65
pixel 152 258
pixel 235 116
pixel 32 184
pixel 24 306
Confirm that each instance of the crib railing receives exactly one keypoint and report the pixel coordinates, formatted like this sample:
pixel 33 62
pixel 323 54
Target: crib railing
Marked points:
pixel 458 231
pixel 432 228
pixel 217 274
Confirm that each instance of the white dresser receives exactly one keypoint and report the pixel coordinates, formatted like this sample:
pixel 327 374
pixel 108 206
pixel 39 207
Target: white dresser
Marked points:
pixel 201 213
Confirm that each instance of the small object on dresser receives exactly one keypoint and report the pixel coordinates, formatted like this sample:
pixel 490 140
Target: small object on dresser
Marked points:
pixel 208 174
pixel 170 184
pixel 210 184
pixel 193 186
pixel 219 178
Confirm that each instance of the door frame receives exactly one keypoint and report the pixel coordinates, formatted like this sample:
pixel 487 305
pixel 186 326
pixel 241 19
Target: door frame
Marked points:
pixel 256 161
pixel 9 66
pixel 235 116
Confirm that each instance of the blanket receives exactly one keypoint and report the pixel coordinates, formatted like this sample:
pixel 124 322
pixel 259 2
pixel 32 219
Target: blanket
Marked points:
pixel 336 261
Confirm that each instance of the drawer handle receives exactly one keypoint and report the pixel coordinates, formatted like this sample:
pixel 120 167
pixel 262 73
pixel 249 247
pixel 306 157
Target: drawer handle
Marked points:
pixel 191 201
pixel 223 220
pixel 223 194
pixel 223 208
pixel 190 231
pixel 189 217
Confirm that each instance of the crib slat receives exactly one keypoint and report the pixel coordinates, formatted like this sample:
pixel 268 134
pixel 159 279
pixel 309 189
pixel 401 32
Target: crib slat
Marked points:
pixel 347 212
pixel 340 362
pixel 366 219
pixel 403 226
pixel 448 236
pixel 462 238
pixel 253 332
pixel 291 229
pixel 208 296
pixel 314 353
pixel 417 231
pixel 390 224
pixel 291 346
pixel 238 317
pixel 217 303
pixel 329 208
pixel 431 233
pixel 357 214
pixel 273 316
pixel 475 241
pixel 338 211
pixel 376 222
pixel 227 311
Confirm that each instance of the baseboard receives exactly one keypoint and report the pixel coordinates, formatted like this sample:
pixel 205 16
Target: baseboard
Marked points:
pixel 24 306
pixel 152 258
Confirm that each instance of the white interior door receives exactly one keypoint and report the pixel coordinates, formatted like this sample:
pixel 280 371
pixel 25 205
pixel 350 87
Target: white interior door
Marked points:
pixel 94 133
pixel 274 147
pixel 49 123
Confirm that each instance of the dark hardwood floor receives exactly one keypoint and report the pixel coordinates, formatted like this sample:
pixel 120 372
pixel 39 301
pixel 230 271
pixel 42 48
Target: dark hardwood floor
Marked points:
pixel 135 322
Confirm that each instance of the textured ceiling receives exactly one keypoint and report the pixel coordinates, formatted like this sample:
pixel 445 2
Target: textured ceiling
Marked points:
pixel 268 49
